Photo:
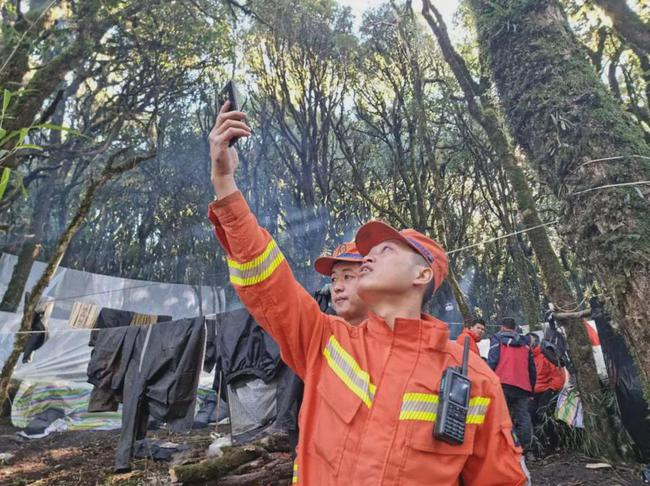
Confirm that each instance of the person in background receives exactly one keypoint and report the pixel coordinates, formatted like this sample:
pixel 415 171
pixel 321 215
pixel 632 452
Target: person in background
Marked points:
pixel 512 360
pixel 475 333
pixel 549 384
pixel 342 267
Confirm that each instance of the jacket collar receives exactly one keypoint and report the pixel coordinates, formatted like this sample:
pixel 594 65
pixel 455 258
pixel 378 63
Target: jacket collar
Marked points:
pixel 511 338
pixel 429 330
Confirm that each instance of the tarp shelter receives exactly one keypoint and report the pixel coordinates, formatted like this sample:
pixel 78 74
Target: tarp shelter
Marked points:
pixel 56 376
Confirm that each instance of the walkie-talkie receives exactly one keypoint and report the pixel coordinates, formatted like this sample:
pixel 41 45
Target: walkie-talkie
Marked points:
pixel 453 402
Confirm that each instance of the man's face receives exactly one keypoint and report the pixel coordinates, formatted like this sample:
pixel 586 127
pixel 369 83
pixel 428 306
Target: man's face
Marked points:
pixel 479 329
pixel 389 268
pixel 345 300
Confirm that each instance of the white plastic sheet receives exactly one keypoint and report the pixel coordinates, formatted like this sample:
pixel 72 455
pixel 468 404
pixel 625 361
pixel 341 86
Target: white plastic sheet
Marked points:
pixel 69 286
pixel 63 358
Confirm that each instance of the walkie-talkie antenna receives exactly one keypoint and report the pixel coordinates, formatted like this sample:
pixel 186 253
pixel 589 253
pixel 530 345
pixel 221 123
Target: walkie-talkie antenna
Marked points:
pixel 465 356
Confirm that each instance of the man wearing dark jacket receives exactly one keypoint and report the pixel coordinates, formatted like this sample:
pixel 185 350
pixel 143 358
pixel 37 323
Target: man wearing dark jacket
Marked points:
pixel 512 360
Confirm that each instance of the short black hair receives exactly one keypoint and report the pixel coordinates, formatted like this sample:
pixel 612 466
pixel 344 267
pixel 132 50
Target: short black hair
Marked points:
pixel 509 322
pixel 478 320
pixel 533 336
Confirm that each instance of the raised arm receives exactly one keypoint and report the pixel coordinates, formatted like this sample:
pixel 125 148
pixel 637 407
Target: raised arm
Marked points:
pixel 258 270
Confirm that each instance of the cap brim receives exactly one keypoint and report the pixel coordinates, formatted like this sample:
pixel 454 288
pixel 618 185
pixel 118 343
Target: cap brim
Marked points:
pixel 375 232
pixel 324 264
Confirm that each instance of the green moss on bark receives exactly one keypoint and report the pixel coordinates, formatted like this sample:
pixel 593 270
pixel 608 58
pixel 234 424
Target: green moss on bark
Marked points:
pixel 563 117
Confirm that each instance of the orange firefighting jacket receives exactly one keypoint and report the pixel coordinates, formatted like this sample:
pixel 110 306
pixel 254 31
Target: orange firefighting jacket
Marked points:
pixel 473 339
pixel 549 376
pixel 371 393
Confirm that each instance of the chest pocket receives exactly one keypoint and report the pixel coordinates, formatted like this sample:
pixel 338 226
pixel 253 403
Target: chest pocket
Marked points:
pixel 429 457
pixel 343 390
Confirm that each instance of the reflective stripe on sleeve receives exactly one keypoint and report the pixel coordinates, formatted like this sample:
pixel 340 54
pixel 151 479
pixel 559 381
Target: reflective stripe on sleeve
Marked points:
pixel 258 269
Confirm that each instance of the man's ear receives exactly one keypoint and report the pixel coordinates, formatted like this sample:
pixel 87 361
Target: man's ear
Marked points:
pixel 423 277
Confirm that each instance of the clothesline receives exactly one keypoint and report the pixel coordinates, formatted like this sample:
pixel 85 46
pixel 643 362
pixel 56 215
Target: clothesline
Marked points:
pixel 526 230
pixel 79 329
pixel 84 329
pixel 161 283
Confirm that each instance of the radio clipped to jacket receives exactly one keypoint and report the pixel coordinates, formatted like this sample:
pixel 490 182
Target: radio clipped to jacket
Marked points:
pixel 453 402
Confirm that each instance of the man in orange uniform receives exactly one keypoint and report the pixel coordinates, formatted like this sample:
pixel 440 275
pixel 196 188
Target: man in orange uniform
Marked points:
pixel 371 391
pixel 475 333
pixel 343 269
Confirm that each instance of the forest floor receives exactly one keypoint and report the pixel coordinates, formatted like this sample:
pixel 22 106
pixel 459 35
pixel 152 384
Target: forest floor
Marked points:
pixel 86 458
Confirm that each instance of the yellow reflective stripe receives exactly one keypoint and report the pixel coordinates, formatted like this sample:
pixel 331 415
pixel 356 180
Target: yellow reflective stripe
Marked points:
pixel 419 406
pixel 424 406
pixel 358 391
pixel 475 419
pixel 420 397
pixel 477 409
pixel 255 261
pixel 356 369
pixel 258 269
pixel 348 370
pixel 242 282
pixel 413 415
pixel 294 479
pixel 475 401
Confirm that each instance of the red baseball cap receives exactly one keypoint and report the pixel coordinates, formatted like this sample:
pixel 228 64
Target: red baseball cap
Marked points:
pixel 345 252
pixel 374 232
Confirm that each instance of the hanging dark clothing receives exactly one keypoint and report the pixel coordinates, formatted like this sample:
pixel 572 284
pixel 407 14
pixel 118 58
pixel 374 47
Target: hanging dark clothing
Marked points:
pixel 624 379
pixel 151 370
pixel 109 318
pixel 245 349
pixel 35 341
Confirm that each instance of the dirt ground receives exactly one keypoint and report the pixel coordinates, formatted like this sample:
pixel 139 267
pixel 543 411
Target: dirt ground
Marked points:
pixel 86 458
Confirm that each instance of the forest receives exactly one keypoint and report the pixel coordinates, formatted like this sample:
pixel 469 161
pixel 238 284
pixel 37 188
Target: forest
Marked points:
pixel 514 132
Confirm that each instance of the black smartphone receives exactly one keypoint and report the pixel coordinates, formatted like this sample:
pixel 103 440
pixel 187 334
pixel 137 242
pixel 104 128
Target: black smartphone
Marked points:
pixel 229 93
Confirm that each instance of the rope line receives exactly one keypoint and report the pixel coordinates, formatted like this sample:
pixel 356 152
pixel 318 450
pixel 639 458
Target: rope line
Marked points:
pixel 526 230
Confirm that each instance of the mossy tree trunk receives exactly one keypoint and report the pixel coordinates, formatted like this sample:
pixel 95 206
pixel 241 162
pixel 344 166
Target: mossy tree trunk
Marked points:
pixel 599 427
pixel 91 23
pixel 529 301
pixel 461 299
pixel 583 146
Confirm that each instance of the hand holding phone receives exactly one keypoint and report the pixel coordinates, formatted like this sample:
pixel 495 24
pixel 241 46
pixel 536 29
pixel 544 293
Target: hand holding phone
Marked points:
pixel 229 93
pixel 229 125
